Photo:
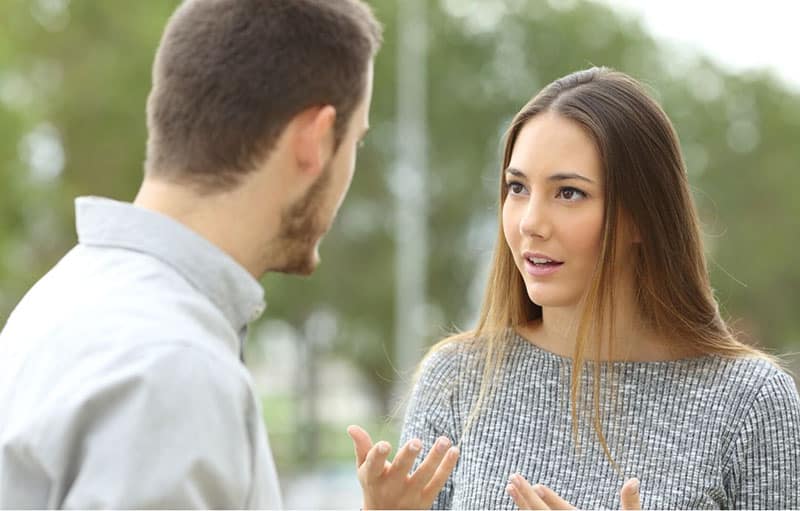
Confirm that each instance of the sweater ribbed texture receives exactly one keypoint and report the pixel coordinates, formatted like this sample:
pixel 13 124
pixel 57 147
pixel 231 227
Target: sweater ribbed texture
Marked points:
pixel 702 433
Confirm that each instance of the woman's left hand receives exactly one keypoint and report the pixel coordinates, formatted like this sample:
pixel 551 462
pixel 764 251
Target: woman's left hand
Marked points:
pixel 541 497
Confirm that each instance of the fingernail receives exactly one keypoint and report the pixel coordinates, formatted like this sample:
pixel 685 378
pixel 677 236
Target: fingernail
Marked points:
pixel 442 444
pixel 539 490
pixel 511 489
pixel 415 445
pixel 635 484
pixel 383 448
pixel 513 478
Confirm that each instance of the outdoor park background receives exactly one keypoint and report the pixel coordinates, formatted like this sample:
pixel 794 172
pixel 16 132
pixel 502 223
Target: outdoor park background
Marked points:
pixel 73 81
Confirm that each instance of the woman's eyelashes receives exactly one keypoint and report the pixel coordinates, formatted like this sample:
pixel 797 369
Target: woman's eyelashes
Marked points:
pixel 567 193
pixel 515 187
pixel 570 193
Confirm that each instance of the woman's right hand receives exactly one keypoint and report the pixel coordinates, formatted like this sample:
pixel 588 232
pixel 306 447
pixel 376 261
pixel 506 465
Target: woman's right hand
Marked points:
pixel 541 497
pixel 388 485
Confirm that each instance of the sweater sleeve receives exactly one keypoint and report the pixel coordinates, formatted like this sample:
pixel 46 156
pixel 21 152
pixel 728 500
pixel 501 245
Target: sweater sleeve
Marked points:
pixel 430 412
pixel 764 468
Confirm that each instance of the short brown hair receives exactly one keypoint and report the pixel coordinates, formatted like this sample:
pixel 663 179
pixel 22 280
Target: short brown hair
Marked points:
pixel 230 74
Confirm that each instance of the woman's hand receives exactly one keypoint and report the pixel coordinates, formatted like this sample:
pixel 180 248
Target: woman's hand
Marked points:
pixel 542 497
pixel 389 485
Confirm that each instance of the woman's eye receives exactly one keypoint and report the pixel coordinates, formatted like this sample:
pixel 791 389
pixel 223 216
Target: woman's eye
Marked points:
pixel 570 194
pixel 515 187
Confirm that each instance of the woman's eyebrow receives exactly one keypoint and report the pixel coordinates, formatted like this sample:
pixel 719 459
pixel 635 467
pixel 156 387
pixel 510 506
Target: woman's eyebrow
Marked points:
pixel 559 176
pixel 516 172
pixel 563 176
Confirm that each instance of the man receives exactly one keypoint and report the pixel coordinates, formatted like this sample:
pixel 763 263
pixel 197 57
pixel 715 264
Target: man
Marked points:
pixel 120 376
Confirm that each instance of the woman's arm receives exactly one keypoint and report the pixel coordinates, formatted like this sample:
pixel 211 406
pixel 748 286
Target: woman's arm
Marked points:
pixel 763 470
pixel 430 414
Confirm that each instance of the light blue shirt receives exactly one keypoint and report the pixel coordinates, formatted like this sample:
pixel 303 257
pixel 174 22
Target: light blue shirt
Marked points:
pixel 121 384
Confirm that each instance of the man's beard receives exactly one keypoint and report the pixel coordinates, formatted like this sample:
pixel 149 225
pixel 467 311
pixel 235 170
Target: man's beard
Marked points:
pixel 302 227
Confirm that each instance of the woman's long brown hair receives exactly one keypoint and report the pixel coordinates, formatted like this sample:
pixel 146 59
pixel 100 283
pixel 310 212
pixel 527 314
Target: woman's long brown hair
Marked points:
pixel 645 180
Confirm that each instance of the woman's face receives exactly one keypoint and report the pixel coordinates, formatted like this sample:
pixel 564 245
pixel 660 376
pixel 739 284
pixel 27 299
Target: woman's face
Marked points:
pixel 553 213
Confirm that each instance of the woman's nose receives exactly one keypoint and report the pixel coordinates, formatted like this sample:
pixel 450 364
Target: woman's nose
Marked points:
pixel 534 221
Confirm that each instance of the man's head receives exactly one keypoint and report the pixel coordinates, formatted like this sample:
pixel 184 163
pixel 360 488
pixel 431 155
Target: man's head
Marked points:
pixel 308 218
pixel 245 87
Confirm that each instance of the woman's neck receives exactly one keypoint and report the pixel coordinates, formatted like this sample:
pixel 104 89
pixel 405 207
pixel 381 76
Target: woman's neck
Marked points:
pixel 632 340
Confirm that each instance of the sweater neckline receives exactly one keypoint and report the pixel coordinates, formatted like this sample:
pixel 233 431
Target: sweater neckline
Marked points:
pixel 564 360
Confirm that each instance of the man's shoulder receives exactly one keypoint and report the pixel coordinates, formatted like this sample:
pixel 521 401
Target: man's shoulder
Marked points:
pixel 95 302
pixel 178 367
pixel 173 380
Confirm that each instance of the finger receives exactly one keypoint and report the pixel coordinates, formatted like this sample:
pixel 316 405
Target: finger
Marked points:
pixel 361 441
pixel 523 493
pixel 445 468
pixel 629 495
pixel 375 463
pixel 551 498
pixel 518 499
pixel 404 459
pixel 431 462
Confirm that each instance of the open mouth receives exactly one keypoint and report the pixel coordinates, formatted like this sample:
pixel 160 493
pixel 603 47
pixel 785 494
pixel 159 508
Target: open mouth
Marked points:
pixel 543 262
pixel 539 265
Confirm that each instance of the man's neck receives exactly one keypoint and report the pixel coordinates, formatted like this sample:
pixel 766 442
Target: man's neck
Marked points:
pixel 222 218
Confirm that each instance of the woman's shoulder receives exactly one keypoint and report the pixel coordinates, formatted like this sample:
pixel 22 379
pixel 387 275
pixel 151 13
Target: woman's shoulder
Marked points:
pixel 766 418
pixel 755 385
pixel 449 357
pixel 771 381
pixel 750 372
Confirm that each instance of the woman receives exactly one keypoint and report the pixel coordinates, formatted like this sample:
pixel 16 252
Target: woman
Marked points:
pixel 600 361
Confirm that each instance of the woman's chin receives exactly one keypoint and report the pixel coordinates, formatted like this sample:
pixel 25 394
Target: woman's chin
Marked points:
pixel 549 298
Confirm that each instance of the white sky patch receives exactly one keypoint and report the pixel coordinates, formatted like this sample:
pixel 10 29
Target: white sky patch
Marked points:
pixel 739 35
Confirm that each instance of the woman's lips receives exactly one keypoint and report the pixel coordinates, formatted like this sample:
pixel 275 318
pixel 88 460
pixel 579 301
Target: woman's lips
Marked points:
pixel 540 270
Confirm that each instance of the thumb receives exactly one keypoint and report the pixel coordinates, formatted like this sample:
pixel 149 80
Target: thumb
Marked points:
pixel 629 495
pixel 361 441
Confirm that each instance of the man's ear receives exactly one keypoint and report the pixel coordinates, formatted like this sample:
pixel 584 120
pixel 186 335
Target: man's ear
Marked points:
pixel 313 138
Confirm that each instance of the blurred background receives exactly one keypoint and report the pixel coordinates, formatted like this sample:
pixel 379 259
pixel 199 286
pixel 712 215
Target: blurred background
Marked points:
pixel 406 261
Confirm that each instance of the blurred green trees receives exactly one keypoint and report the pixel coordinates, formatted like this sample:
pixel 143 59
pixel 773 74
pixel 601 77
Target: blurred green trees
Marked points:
pixel 74 78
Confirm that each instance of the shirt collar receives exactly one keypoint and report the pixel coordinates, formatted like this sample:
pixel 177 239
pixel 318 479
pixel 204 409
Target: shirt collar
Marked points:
pixel 110 223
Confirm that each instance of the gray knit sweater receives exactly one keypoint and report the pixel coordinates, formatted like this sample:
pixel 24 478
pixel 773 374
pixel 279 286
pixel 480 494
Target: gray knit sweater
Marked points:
pixel 703 433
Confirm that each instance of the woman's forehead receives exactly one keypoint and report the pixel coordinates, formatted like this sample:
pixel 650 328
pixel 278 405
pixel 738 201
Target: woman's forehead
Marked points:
pixel 550 143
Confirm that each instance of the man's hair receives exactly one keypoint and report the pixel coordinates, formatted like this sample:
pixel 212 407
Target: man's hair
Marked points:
pixel 230 74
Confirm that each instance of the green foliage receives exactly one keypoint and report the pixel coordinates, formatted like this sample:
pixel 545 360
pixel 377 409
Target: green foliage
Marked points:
pixel 292 446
